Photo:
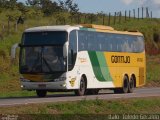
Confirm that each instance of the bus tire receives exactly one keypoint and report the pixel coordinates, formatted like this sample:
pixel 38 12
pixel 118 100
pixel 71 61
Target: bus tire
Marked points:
pixel 125 86
pixel 131 85
pixel 82 89
pixel 41 93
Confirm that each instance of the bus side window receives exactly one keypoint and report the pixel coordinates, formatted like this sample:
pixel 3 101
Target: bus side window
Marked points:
pixel 72 52
pixel 93 41
pixel 90 42
pixel 81 38
pixel 100 39
pixel 106 43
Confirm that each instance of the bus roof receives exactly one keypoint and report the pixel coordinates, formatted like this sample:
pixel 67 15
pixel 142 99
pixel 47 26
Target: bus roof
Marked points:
pixel 87 27
pixel 101 27
pixel 67 28
pixel 108 29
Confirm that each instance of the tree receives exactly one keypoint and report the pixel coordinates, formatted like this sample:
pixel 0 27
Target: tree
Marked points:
pixel 69 6
pixel 9 4
pixel 74 8
pixel 33 2
pixel 61 5
pixel 48 7
pixel 21 7
pixel 2 3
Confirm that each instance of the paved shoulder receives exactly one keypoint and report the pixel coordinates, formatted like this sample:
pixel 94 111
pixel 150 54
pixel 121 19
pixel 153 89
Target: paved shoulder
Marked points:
pixel 143 92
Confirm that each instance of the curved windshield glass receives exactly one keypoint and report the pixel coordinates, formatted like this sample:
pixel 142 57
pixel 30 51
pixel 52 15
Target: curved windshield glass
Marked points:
pixel 44 59
pixel 44 38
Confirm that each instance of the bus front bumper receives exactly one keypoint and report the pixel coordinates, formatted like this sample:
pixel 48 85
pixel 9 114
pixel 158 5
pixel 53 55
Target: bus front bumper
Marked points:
pixel 61 85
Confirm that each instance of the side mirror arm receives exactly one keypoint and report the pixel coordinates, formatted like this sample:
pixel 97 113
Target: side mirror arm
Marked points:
pixel 13 50
pixel 65 50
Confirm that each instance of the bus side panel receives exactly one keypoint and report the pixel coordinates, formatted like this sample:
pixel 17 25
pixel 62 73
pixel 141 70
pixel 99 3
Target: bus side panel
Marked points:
pixel 86 65
pixel 126 63
pixel 107 69
pixel 101 71
pixel 81 67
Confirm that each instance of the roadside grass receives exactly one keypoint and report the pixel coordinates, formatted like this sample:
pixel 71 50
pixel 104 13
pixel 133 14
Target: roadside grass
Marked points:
pixel 153 71
pixel 83 108
pixel 16 94
pixel 10 87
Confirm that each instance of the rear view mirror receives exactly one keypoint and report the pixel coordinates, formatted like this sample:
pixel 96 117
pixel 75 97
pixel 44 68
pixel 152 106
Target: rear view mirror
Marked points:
pixel 13 50
pixel 65 50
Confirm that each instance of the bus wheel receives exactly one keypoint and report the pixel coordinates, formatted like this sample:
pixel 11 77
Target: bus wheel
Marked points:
pixel 41 93
pixel 124 88
pixel 81 91
pixel 125 85
pixel 131 85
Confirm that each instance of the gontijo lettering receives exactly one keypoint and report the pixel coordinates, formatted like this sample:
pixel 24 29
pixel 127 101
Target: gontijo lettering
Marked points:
pixel 120 59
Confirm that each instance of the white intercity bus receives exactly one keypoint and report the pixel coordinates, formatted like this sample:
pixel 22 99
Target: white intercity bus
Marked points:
pixel 82 58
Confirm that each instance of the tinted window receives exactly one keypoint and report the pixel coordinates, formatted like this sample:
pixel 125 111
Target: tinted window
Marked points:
pixel 72 52
pixel 73 41
pixel 44 38
pixel 96 41
pixel 82 37
pixel 48 59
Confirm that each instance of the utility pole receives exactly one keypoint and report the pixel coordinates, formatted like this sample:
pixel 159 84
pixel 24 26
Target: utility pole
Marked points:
pixel 129 14
pixel 138 13
pixel 142 12
pixel 103 18
pixel 147 12
pixel 109 18
pixel 134 13
pixel 120 15
pixel 115 18
pixel 125 15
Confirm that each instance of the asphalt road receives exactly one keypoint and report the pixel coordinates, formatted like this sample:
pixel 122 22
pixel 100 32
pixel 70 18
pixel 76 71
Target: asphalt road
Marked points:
pixel 107 95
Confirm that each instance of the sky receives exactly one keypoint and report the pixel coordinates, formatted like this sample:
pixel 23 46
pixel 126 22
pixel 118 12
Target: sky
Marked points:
pixel 94 6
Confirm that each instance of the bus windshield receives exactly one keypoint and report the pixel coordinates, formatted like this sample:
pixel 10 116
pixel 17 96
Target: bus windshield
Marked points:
pixel 42 52
pixel 46 59
pixel 44 38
